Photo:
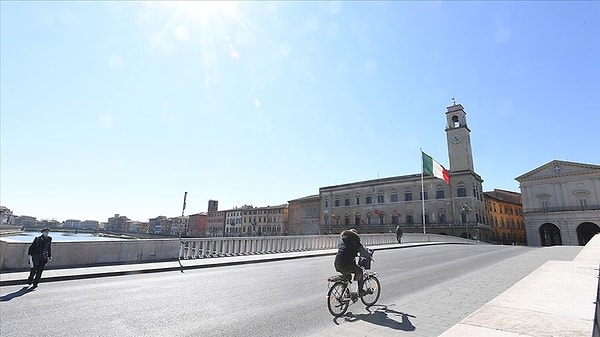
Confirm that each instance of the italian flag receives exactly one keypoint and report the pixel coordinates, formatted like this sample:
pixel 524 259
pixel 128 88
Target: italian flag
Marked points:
pixel 433 168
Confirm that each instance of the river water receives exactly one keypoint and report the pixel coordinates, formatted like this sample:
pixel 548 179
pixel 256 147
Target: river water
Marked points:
pixel 56 237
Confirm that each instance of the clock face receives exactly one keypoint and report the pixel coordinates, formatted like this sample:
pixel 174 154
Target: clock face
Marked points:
pixel 456 139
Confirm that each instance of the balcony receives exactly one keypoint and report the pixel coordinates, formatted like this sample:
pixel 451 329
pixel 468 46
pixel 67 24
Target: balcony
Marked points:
pixel 562 209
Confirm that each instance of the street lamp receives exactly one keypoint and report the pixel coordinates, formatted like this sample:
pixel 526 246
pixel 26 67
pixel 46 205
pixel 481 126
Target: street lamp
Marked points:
pixel 464 211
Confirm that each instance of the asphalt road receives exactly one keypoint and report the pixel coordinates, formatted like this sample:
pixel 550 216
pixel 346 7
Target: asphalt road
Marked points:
pixel 285 298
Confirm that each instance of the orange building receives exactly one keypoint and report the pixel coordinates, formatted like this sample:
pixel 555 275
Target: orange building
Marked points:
pixel 504 215
pixel 197 225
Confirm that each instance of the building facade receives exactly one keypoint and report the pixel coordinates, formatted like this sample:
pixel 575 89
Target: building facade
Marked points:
pixel 233 221
pixel 414 203
pixel 504 215
pixel 6 216
pixel 303 215
pixel 215 222
pixel 118 223
pixel 197 225
pixel 561 203
pixel 72 224
pixel 264 221
pixel 89 224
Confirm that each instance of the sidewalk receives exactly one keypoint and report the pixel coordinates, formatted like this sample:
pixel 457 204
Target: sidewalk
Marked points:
pixel 556 300
pixel 50 275
pixel 436 312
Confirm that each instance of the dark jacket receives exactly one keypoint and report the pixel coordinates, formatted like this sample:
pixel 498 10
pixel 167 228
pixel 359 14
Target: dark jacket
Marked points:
pixel 41 246
pixel 348 248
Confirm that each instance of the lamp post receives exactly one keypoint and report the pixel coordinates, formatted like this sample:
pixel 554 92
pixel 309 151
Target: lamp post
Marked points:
pixel 465 210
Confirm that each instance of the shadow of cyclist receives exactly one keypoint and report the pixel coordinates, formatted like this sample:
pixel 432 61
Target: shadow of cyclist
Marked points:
pixel 384 316
pixel 12 295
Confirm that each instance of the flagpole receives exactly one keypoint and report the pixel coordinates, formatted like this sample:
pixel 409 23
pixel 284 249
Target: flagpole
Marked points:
pixel 423 192
pixel 181 244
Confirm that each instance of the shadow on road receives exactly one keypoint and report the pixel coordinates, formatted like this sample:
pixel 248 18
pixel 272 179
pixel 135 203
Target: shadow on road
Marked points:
pixel 12 295
pixel 384 316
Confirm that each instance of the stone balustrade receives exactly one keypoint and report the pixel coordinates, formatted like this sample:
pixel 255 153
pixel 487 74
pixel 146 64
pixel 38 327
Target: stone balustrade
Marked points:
pixel 13 255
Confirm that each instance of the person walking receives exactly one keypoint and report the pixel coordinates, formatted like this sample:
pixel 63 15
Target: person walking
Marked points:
pixel 398 234
pixel 40 252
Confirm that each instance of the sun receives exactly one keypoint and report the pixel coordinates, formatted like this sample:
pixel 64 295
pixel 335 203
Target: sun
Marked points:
pixel 213 32
pixel 209 6
pixel 206 10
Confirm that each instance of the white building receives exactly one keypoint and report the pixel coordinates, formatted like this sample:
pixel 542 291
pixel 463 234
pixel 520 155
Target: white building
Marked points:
pixel 561 203
pixel 431 205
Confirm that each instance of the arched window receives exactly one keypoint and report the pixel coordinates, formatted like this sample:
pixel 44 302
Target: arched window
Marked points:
pixel 409 217
pixel 408 194
pixel 455 122
pixel 461 190
pixel 394 195
pixel 439 192
pixel 441 216
pixel 380 197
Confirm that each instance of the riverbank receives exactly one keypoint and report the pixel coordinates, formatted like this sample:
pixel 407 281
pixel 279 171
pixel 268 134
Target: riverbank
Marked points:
pixel 14 230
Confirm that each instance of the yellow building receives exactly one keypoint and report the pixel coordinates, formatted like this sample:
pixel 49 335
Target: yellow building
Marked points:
pixel 504 215
pixel 263 221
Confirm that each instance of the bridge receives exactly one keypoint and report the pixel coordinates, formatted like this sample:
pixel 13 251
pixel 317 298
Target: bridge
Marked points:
pixel 429 288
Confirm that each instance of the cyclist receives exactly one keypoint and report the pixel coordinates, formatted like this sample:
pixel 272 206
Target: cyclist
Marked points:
pixel 348 248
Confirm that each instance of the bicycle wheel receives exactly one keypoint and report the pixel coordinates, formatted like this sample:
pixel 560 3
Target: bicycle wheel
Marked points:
pixel 336 303
pixel 373 287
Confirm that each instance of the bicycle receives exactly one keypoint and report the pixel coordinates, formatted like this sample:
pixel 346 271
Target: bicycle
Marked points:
pixel 339 296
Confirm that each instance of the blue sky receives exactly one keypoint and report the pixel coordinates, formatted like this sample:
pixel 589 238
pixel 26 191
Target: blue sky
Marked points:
pixel 121 107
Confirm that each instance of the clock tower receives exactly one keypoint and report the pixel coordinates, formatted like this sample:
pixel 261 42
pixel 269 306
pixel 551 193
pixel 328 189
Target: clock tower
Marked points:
pixel 459 140
pixel 465 184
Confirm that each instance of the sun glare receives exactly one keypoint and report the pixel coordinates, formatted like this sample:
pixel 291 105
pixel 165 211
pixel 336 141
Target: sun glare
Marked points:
pixel 207 9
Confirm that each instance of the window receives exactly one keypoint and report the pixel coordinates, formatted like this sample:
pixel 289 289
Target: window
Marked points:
pixel 347 221
pixel 395 220
pixel 424 195
pixel 380 199
pixel 394 197
pixel 409 219
pixel 358 200
pixel 407 195
pixel 381 220
pixel 439 193
pixel 356 220
pixel 347 202
pixel 461 190
pixel 337 202
pixel 369 200
pixel 442 218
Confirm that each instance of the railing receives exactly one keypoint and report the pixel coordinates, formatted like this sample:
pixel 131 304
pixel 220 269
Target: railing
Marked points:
pixel 199 248
pixel 562 209
pixel 13 255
